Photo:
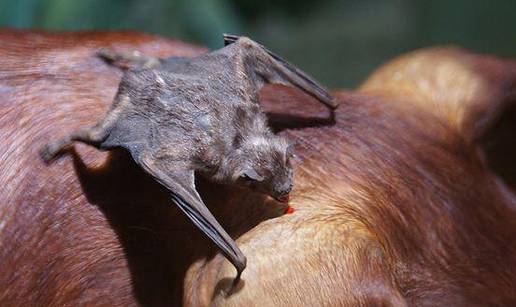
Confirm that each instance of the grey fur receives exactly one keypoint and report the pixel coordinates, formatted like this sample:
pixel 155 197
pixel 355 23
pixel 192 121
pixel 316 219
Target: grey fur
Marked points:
pixel 178 116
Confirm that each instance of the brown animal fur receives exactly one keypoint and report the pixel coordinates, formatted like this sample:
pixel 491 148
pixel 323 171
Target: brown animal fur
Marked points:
pixel 395 204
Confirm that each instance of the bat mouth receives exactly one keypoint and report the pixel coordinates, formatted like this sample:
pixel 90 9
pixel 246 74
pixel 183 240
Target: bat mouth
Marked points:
pixel 283 199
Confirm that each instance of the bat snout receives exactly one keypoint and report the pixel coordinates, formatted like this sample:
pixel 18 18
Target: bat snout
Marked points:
pixel 282 192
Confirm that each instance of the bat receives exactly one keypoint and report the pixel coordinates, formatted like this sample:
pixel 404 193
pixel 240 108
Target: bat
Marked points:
pixel 181 116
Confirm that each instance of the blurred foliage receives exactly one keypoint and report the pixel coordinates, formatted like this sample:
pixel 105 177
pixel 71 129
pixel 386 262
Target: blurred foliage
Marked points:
pixel 339 42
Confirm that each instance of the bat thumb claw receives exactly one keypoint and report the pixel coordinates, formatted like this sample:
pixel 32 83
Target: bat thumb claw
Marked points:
pixel 333 103
pixel 236 285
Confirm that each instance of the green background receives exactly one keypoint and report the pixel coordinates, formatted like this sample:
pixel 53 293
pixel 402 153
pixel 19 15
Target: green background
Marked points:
pixel 339 42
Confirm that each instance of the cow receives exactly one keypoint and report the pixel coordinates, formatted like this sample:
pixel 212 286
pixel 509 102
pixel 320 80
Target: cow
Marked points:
pixel 403 196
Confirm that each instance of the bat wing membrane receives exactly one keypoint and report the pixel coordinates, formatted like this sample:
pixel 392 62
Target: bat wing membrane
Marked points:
pixel 181 184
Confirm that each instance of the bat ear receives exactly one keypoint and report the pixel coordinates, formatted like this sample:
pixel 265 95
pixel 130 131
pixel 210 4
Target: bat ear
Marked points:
pixel 290 149
pixel 251 174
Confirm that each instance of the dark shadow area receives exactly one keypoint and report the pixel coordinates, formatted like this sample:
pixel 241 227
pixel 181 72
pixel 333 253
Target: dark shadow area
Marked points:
pixel 282 121
pixel 500 146
pixel 225 288
pixel 149 227
pixel 288 107
pixel 159 242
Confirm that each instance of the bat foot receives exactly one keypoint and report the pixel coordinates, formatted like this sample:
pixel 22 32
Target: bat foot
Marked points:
pixel 112 58
pixel 125 61
pixel 107 55
pixel 49 152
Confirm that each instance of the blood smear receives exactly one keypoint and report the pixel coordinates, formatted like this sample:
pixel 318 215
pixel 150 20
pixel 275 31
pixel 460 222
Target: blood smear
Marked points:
pixel 290 210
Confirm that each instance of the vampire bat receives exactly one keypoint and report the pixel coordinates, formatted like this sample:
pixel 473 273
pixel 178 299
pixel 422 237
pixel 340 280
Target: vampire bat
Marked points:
pixel 180 116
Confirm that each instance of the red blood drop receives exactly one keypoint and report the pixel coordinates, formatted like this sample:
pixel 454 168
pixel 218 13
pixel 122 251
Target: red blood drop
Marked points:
pixel 290 210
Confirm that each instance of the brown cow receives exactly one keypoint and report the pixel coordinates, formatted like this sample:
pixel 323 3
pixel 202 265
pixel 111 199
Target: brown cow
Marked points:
pixel 394 201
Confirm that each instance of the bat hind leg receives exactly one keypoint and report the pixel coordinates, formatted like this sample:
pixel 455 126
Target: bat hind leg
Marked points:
pixel 93 136
pixel 128 60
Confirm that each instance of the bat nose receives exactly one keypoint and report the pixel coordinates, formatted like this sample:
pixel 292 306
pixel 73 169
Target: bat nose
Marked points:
pixel 284 189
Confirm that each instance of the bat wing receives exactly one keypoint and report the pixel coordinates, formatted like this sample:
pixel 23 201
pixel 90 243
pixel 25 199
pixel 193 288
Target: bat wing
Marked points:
pixel 277 70
pixel 140 137
pixel 180 182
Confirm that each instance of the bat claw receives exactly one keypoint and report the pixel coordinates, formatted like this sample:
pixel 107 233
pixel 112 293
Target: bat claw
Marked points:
pixel 47 154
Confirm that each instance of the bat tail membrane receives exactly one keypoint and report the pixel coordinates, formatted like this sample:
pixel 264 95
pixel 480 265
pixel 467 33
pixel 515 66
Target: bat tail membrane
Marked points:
pixel 294 75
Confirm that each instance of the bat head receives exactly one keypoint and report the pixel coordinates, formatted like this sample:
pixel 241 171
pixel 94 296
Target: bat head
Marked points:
pixel 264 166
